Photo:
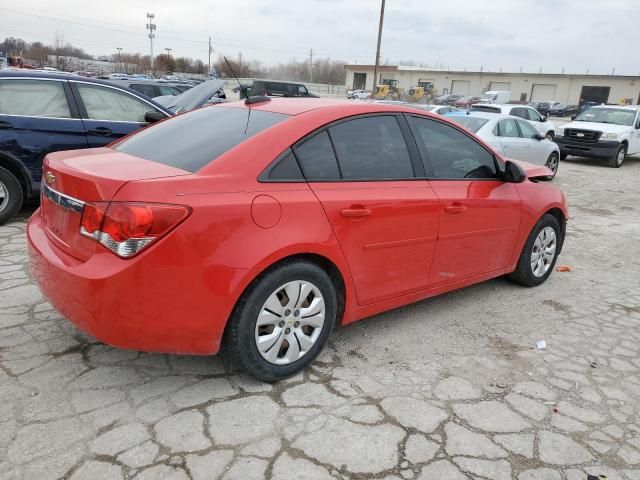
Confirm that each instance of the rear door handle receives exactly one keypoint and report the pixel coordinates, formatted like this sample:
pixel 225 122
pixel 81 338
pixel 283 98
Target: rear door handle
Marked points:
pixel 355 212
pixel 455 209
pixel 102 131
pixel 5 125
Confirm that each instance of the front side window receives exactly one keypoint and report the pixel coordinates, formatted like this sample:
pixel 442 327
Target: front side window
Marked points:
pixel 533 115
pixel 527 130
pixel 372 148
pixel 104 103
pixel 302 90
pixel 33 98
pixel 451 153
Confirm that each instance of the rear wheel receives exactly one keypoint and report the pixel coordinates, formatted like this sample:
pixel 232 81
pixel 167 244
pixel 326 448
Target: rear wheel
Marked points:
pixel 282 321
pixel 10 195
pixel 540 253
pixel 617 159
pixel 553 162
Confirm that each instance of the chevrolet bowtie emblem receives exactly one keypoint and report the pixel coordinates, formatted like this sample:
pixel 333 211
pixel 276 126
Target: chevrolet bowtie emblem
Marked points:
pixel 51 178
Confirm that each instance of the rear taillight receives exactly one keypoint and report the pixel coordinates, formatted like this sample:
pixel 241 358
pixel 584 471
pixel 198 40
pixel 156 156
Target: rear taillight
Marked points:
pixel 127 228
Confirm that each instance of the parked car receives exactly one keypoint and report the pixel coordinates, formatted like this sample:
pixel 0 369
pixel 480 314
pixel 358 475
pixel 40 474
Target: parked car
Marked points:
pixel 587 106
pixel 542 107
pixel 562 110
pixel 496 96
pixel 511 136
pixel 206 93
pixel 448 99
pixel 149 88
pixel 278 88
pixel 358 94
pixel 542 124
pixel 439 109
pixel 262 229
pixel 603 132
pixel 42 113
pixel 466 102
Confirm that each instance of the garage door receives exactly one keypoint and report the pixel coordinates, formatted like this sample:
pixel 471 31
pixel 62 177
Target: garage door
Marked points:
pixel 500 86
pixel 461 87
pixel 543 93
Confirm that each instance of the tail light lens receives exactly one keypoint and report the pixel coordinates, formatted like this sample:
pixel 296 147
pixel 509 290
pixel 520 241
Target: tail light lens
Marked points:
pixel 127 228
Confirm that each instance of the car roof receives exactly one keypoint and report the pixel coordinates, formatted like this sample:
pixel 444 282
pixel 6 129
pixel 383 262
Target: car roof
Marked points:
pixel 485 115
pixel 632 108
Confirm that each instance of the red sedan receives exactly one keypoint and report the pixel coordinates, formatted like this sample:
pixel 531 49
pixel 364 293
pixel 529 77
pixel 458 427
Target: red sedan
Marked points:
pixel 260 227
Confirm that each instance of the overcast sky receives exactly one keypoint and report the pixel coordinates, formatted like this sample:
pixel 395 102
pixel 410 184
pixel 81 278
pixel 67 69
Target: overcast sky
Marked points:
pixel 508 34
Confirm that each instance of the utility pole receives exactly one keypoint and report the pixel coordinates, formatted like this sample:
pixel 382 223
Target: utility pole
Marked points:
pixel 311 66
pixel 168 50
pixel 210 52
pixel 119 61
pixel 151 27
pixel 240 62
pixel 375 67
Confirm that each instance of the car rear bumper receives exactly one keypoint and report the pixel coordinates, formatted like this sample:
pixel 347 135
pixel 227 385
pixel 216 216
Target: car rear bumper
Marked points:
pixel 599 149
pixel 136 303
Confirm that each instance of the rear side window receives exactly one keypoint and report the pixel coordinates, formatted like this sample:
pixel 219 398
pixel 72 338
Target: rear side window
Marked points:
pixel 371 148
pixel 317 159
pixel 33 98
pixel 192 140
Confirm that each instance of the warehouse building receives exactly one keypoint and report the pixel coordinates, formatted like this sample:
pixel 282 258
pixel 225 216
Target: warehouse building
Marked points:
pixel 524 87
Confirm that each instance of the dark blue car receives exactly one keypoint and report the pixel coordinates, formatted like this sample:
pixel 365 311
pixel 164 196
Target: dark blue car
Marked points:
pixel 42 113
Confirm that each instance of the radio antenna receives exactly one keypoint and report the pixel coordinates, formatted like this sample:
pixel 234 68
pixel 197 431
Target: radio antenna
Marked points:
pixel 248 100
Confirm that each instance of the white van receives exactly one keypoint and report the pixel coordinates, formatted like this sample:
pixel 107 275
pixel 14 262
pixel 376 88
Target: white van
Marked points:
pixel 496 96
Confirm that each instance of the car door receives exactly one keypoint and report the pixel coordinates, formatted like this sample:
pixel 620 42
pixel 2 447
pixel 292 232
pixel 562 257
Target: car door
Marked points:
pixel 37 117
pixel 634 137
pixel 513 145
pixel 537 150
pixel 109 113
pixel 479 213
pixel 384 214
pixel 536 121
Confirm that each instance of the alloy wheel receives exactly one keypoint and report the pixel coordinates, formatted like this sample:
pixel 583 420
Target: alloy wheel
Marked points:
pixel 290 322
pixel 620 157
pixel 544 251
pixel 4 196
pixel 553 162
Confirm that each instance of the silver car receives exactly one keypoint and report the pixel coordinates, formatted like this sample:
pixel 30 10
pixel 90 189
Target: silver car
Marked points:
pixel 511 136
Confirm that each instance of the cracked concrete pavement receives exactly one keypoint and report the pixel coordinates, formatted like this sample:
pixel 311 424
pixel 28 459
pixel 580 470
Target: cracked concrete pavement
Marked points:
pixel 449 388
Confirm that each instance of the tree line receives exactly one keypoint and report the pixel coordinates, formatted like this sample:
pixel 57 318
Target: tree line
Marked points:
pixel 58 54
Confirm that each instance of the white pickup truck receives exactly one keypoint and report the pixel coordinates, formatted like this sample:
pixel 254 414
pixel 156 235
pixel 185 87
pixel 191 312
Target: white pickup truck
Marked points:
pixel 605 132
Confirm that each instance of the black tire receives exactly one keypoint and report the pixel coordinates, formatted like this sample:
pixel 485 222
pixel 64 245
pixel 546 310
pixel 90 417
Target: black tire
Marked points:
pixel 553 163
pixel 12 201
pixel 563 156
pixel 550 135
pixel 523 273
pixel 617 159
pixel 239 341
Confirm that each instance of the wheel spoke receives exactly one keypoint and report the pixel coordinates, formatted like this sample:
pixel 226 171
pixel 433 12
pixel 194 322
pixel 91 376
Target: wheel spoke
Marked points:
pixel 316 307
pixel 273 305
pixel 305 289
pixel 293 292
pixel 305 341
pixel 293 350
pixel 267 318
pixel 316 321
pixel 272 354
pixel 266 342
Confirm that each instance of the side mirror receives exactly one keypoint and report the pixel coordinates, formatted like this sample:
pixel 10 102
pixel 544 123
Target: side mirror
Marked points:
pixel 573 117
pixel 540 137
pixel 638 125
pixel 154 116
pixel 513 173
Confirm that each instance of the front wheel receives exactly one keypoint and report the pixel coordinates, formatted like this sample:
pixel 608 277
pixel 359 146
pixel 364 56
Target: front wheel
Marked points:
pixel 540 253
pixel 10 195
pixel 618 158
pixel 549 136
pixel 553 162
pixel 282 321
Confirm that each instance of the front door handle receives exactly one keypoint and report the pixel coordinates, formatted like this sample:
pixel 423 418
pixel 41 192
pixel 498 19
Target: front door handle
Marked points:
pixel 355 212
pixel 5 125
pixel 102 131
pixel 455 209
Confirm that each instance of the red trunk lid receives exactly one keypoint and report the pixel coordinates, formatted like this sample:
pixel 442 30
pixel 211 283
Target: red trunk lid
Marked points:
pixel 73 178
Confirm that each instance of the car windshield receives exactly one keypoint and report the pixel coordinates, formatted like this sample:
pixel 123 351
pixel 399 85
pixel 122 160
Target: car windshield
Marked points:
pixel 608 115
pixel 203 135
pixel 428 108
pixel 470 123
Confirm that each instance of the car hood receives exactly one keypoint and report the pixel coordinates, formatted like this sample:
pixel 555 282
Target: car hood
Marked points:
pixel 195 97
pixel 598 127
pixel 533 172
pixel 164 100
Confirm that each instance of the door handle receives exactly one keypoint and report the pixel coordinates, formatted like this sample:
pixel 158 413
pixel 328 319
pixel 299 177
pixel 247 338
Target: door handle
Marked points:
pixel 5 125
pixel 102 131
pixel 455 209
pixel 355 212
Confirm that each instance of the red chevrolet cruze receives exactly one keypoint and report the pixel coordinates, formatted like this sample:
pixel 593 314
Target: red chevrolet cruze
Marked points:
pixel 260 227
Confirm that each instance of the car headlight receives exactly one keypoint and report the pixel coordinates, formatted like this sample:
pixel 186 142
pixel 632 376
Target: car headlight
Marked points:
pixel 560 132
pixel 610 136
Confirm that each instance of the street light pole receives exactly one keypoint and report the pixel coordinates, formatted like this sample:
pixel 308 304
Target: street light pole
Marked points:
pixel 119 61
pixel 375 67
pixel 151 27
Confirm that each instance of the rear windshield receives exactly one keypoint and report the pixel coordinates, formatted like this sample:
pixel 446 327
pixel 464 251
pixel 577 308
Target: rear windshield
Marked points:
pixel 470 123
pixel 192 140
